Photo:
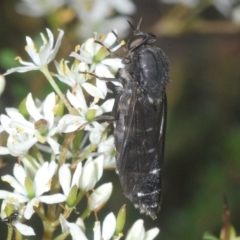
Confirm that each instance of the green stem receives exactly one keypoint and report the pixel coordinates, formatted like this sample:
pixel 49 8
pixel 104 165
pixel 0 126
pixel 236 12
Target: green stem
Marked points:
pixel 57 89
pixel 10 233
pixel 52 215
pixel 85 213
pixel 48 231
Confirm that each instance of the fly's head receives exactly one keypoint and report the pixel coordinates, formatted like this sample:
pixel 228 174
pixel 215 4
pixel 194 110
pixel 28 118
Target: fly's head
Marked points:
pixel 140 38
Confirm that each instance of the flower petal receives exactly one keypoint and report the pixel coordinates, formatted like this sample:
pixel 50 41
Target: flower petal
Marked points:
pixel 32 109
pixel 29 208
pixel 19 173
pixel 48 108
pixel 107 106
pixel 43 177
pixel 137 231
pixel 54 145
pixel 109 225
pixel 97 230
pixel 57 45
pixel 151 234
pixel 70 123
pixel 92 90
pixel 4 150
pixel 77 174
pixel 76 232
pixel 15 184
pixel 100 196
pixel 13 197
pixel 65 178
pixel 24 229
pixel 113 62
pixel 51 199
pixel 21 69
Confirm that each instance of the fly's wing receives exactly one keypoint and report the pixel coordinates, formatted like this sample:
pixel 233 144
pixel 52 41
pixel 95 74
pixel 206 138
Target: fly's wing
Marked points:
pixel 143 144
pixel 140 145
pixel 140 161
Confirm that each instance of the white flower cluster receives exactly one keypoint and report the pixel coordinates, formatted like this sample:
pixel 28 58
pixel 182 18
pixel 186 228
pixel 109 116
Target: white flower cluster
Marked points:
pixel 39 123
pixel 92 15
pixel 34 132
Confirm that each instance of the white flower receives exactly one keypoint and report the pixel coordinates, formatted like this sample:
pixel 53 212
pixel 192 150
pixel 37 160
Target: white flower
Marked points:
pixel 91 173
pixel 38 8
pixel 70 123
pixel 96 129
pixel 42 57
pixel 44 115
pixel 100 196
pixel 22 228
pixel 107 148
pixel 30 191
pixel 137 232
pixel 108 228
pixel 19 140
pixel 75 79
pixel 66 180
pixel 24 134
pixel 95 54
pixel 151 234
pixel 74 229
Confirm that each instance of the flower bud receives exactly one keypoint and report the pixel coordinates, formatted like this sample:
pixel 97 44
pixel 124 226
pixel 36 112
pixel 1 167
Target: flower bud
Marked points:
pixel 72 196
pixel 100 196
pixel 121 218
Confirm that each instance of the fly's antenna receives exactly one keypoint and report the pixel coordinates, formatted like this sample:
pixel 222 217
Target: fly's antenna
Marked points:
pixel 131 26
pixel 139 23
pixel 138 26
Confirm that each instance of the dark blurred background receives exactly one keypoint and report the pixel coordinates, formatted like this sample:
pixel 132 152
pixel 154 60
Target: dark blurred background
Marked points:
pixel 202 155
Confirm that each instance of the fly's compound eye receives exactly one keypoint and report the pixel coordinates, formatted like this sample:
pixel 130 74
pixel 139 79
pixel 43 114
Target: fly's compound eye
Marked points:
pixel 135 42
pixel 151 38
pixel 139 40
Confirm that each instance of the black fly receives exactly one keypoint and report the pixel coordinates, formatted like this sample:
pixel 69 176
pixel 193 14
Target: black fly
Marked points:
pixel 140 113
pixel 11 218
